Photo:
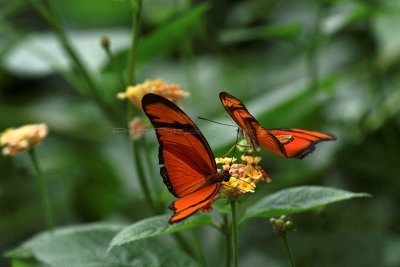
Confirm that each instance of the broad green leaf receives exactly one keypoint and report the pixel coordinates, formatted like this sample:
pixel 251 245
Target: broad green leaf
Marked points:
pixel 94 13
pixel 388 37
pixel 235 35
pixel 298 199
pixel 18 253
pixel 344 15
pixel 156 226
pixel 86 245
pixel 19 263
pixel 168 37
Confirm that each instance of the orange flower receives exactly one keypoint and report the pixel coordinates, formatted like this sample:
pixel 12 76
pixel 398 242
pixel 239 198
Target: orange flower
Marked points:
pixel 23 138
pixel 135 93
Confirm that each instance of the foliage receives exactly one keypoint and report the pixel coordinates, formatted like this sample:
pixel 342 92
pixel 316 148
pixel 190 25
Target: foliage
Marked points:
pixel 322 65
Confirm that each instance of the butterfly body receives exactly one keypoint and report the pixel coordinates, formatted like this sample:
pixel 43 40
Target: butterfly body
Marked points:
pixel 188 165
pixel 290 142
pixel 218 177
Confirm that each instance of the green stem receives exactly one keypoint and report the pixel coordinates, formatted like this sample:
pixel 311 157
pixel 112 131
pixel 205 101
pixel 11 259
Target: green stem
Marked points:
pixel 289 252
pixel 228 239
pixel 58 27
pixel 50 16
pixel 234 234
pixel 138 145
pixel 135 42
pixel 149 163
pixel 42 12
pixel 197 248
pixel 141 175
pixel 43 190
pixel 115 66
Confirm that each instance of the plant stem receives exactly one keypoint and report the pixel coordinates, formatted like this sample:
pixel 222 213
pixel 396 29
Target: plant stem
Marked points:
pixel 43 190
pixel 50 16
pixel 135 42
pixel 234 234
pixel 150 167
pixel 137 145
pixel 141 175
pixel 115 67
pixel 197 248
pixel 289 252
pixel 228 239
pixel 57 25
pixel 39 10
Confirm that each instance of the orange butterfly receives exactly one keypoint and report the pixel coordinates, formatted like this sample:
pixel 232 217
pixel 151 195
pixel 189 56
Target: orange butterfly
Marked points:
pixel 290 143
pixel 189 170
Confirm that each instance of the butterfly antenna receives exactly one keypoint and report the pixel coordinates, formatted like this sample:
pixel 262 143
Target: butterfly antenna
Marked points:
pixel 201 118
pixel 234 148
pixel 229 118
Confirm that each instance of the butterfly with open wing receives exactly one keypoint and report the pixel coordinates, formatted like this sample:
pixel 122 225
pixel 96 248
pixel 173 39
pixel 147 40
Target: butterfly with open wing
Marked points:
pixel 290 143
pixel 188 165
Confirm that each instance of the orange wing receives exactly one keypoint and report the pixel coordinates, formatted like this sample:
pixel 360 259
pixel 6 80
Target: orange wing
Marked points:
pixel 297 143
pixel 291 143
pixel 189 204
pixel 185 154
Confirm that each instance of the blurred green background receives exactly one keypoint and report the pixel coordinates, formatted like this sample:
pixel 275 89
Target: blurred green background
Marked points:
pixel 328 65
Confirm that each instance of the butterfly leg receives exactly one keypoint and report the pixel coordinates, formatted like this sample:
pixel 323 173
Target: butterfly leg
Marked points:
pixel 230 150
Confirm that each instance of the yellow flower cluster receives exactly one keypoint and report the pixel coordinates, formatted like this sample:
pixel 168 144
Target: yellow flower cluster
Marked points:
pixel 23 138
pixel 244 177
pixel 225 161
pixel 135 94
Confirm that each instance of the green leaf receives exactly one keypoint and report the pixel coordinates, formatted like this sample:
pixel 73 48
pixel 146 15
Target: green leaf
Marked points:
pixel 297 199
pixel 344 15
pixel 19 263
pixel 388 37
pixel 156 226
pixel 86 245
pixel 167 37
pixel 235 35
pixel 18 253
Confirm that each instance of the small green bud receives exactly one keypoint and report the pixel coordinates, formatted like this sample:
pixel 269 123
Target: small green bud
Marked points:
pixel 105 42
pixel 289 226
pixel 282 225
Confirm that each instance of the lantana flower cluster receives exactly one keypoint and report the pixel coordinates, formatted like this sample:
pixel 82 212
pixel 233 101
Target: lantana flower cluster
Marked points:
pixel 244 177
pixel 16 140
pixel 170 91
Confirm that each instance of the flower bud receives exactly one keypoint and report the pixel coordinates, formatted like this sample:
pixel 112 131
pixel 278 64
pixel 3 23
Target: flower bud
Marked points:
pixel 281 226
pixel 105 42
